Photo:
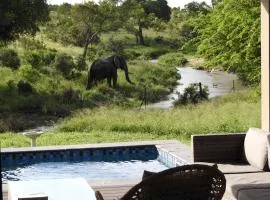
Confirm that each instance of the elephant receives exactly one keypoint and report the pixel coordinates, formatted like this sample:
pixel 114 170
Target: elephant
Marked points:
pixel 107 69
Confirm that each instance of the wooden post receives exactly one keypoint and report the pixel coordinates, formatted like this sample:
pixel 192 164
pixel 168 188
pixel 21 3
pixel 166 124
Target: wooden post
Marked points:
pixel 200 87
pixel 145 101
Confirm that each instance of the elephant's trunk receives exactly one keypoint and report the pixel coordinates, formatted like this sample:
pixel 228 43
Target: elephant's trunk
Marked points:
pixel 125 68
pixel 127 77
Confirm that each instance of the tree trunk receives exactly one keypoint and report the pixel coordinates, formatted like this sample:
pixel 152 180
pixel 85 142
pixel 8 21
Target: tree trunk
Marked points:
pixel 140 34
pixel 136 37
pixel 86 46
pixel 85 50
pixel 89 37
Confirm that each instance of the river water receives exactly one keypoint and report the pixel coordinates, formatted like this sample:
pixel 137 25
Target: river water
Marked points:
pixel 218 82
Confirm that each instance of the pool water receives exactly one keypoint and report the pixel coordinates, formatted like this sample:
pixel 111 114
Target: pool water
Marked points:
pixel 88 169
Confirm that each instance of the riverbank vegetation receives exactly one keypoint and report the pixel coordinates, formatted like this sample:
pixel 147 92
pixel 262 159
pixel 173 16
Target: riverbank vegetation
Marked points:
pixel 43 77
pixel 233 113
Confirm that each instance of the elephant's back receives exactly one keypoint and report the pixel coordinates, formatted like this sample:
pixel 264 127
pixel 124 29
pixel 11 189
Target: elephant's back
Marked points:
pixel 99 64
pixel 100 69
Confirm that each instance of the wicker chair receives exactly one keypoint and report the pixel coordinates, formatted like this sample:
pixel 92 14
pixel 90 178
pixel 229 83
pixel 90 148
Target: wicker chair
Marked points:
pixel 188 182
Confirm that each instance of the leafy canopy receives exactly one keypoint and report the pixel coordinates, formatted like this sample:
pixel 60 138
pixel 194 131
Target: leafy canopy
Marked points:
pixel 21 16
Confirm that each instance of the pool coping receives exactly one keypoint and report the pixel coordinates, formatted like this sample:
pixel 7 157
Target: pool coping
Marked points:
pixel 172 147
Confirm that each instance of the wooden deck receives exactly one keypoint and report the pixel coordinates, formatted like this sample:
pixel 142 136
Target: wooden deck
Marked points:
pixel 108 192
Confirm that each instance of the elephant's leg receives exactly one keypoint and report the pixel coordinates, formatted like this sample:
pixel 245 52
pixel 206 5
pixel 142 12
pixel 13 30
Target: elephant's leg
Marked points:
pixel 109 81
pixel 114 81
pixel 114 77
pixel 89 83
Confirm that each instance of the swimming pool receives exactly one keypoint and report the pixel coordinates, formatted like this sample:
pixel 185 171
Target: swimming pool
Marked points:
pixel 92 163
pixel 89 170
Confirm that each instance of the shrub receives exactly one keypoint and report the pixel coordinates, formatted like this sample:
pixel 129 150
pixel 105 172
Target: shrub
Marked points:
pixel 30 103
pixel 115 46
pixel 80 63
pixel 64 63
pixel 173 59
pixel 75 74
pixel 194 93
pixel 34 58
pixel 31 43
pixel 24 87
pixel 145 52
pixel 29 74
pixel 70 95
pixel 9 58
pixel 11 85
pixel 48 57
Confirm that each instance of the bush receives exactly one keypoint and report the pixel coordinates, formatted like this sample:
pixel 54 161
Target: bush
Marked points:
pixel 80 63
pixel 40 58
pixel 31 103
pixel 31 43
pixel 115 46
pixel 34 58
pixel 24 87
pixel 194 93
pixel 11 85
pixel 173 59
pixel 9 58
pixel 75 74
pixel 70 96
pixel 29 74
pixel 48 57
pixel 64 63
pixel 145 52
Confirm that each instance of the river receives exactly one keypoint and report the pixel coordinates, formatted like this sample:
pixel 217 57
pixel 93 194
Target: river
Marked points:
pixel 218 82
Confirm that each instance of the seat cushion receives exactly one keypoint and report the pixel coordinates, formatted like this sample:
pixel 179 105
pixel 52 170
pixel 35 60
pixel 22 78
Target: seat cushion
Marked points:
pixel 237 168
pixel 256 148
pixel 234 168
pixel 248 186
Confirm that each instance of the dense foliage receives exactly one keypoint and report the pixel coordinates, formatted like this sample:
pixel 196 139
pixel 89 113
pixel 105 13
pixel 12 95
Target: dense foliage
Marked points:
pixel 231 38
pixel 227 35
pixel 194 94
pixel 9 58
pixel 19 17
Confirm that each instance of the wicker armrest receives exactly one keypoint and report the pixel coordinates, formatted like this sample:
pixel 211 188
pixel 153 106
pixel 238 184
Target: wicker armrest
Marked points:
pixel 99 195
pixel 218 148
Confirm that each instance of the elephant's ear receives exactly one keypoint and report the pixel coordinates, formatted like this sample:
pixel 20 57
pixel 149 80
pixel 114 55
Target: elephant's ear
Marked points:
pixel 116 61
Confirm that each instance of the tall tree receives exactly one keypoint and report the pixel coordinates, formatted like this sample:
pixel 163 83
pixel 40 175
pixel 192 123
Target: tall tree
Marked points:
pixel 21 16
pixel 91 19
pixel 187 24
pixel 140 14
pixel 159 8
pixel 195 8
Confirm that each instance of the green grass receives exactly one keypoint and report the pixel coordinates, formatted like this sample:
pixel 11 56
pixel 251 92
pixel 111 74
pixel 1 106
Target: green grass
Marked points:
pixel 49 97
pixel 172 59
pixel 145 52
pixel 233 113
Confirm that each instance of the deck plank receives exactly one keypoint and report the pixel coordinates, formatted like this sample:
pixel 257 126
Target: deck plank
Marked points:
pixel 108 192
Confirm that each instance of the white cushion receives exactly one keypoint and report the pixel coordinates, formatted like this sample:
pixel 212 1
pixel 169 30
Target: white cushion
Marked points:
pixel 256 147
pixel 268 144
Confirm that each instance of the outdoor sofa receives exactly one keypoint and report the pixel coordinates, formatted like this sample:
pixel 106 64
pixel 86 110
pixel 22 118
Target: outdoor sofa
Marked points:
pixel 243 158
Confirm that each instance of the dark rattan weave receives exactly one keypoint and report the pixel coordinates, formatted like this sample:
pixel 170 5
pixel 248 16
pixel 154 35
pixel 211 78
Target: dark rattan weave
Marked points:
pixel 188 182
